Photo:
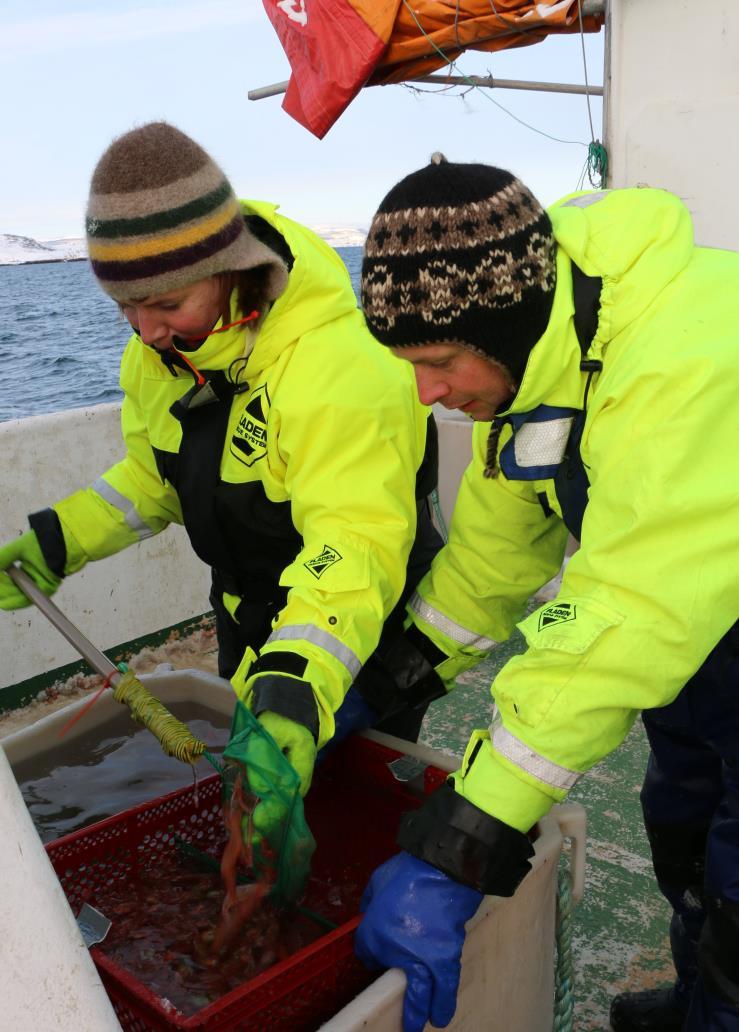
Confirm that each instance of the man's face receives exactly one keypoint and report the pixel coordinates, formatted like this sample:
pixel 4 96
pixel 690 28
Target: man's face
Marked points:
pixel 457 378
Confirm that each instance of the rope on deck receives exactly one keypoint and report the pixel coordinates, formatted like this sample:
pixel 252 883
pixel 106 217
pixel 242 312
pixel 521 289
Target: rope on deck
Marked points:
pixel 564 973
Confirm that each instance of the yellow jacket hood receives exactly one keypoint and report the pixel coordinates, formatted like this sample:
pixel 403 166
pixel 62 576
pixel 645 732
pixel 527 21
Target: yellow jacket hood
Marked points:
pixel 637 241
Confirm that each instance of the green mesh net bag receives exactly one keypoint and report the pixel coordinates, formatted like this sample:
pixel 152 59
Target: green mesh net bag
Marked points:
pixel 262 787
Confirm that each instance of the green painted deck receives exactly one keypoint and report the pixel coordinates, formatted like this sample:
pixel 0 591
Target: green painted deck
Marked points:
pixel 621 926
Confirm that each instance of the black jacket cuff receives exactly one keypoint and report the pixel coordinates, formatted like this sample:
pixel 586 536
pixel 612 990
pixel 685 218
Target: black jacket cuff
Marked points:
pixel 466 843
pixel 48 530
pixel 408 678
pixel 289 697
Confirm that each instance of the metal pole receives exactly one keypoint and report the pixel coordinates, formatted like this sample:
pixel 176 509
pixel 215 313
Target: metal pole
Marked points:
pixel 268 91
pixel 97 660
pixel 491 82
pixel 487 81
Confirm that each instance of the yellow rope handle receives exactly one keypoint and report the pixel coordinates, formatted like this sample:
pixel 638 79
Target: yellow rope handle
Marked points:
pixel 175 738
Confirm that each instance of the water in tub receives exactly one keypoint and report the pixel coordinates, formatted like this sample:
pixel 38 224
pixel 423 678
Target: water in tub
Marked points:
pixel 110 770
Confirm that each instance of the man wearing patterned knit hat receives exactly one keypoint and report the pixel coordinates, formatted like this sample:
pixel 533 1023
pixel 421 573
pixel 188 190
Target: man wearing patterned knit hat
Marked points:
pixel 594 345
pixel 257 414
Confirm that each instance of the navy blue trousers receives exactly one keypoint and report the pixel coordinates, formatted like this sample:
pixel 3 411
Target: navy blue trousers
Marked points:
pixel 690 800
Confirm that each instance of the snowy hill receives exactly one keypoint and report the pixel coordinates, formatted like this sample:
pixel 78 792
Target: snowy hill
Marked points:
pixel 341 236
pixel 17 250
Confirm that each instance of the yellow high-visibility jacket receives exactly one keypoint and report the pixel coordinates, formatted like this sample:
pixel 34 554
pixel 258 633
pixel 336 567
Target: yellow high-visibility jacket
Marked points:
pixel 308 508
pixel 654 585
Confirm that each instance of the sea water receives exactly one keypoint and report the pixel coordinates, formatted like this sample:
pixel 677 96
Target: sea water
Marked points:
pixel 61 337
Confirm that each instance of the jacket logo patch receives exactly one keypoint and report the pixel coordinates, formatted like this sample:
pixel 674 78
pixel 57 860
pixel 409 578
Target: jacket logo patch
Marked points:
pixel 249 440
pixel 318 565
pixel 559 612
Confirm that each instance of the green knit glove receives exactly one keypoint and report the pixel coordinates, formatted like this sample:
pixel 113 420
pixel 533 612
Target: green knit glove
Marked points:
pixel 299 748
pixel 27 551
pixel 296 742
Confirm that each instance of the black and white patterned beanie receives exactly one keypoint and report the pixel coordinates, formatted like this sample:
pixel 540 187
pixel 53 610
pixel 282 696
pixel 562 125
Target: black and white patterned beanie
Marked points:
pixel 463 253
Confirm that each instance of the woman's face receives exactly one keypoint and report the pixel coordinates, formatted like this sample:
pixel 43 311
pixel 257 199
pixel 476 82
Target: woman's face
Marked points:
pixel 190 312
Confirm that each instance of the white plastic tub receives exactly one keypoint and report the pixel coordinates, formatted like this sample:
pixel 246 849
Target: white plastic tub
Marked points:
pixel 47 978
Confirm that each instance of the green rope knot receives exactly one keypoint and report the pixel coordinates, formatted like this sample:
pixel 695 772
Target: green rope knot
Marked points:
pixel 597 164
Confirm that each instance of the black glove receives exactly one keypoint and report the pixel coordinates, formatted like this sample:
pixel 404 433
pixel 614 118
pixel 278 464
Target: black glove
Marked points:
pixel 403 674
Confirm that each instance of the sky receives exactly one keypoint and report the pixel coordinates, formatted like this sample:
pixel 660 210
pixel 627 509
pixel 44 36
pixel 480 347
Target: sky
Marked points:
pixel 76 73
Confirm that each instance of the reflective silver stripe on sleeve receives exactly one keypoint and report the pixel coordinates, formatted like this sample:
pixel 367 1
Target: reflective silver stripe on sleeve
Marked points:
pixel 452 630
pixel 585 200
pixel 532 762
pixel 324 640
pixel 124 505
pixel 542 444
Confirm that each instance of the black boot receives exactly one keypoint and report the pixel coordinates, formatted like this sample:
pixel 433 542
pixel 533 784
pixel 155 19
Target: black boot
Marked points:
pixel 652 1010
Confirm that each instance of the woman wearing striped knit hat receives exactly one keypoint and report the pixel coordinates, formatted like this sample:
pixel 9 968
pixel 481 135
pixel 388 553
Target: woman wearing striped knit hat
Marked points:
pixel 259 412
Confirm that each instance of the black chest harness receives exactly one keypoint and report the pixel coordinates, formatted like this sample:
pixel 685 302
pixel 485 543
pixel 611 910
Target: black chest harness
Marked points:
pixel 571 483
pixel 244 537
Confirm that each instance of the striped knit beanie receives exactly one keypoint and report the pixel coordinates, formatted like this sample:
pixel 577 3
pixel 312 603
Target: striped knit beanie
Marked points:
pixel 461 253
pixel 162 215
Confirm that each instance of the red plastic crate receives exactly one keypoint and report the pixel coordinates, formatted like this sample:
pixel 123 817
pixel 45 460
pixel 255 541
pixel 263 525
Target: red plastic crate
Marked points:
pixel 353 810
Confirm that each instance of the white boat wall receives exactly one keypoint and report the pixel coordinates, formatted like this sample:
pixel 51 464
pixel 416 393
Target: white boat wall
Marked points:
pixel 154 584
pixel 671 116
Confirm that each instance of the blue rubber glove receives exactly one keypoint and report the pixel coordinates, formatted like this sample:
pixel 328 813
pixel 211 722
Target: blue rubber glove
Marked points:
pixel 354 714
pixel 415 918
pixel 27 551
